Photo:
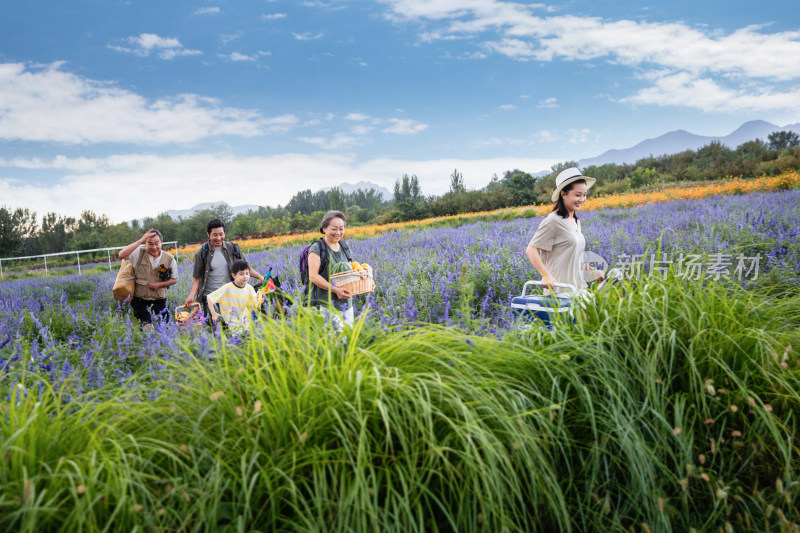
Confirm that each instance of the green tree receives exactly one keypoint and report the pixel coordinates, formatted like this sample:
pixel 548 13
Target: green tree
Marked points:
pixel 457 182
pixel 337 199
pixel 245 224
pixel 121 235
pixel 16 226
pixel 408 199
pixel 521 187
pixel 644 176
pixel 89 230
pixel 558 167
pixel 169 227
pixel 407 188
pixel 780 140
pixel 55 234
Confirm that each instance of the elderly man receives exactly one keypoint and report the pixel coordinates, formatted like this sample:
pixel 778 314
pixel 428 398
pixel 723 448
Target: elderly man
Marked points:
pixel 153 277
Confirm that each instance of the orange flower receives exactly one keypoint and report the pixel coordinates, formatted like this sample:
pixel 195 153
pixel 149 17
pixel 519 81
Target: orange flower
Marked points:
pixel 614 201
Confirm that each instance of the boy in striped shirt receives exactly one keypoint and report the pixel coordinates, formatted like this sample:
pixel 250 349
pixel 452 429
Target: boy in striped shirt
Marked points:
pixel 236 299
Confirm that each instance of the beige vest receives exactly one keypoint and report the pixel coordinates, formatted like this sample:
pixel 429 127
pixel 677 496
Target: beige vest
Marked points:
pixel 146 274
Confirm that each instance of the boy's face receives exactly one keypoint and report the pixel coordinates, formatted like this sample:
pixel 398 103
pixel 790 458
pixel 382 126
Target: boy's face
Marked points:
pixel 241 278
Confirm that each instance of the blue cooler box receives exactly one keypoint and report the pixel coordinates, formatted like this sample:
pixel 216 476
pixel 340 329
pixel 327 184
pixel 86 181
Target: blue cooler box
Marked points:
pixel 530 307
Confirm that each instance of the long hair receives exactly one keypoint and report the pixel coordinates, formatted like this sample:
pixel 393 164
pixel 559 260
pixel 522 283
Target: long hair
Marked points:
pixel 559 206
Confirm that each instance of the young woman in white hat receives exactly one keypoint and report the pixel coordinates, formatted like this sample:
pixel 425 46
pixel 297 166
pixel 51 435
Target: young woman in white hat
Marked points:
pixel 556 249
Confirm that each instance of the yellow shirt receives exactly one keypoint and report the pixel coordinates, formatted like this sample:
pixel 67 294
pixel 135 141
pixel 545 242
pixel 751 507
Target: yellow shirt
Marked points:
pixel 235 304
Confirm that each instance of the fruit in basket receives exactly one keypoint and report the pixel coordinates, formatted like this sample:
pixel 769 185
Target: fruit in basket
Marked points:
pixel 365 266
pixel 356 265
pixel 338 268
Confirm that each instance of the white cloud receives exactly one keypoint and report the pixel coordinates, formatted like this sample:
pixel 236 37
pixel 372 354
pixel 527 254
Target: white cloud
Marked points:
pixel 50 105
pixel 581 136
pixel 338 141
pixel 535 139
pixel 308 36
pixel 728 60
pixel 155 184
pixel 230 37
pixel 548 103
pixel 403 126
pixel 514 48
pixel 207 11
pixel 357 117
pixel 547 136
pixel 361 129
pixel 59 162
pixel 237 56
pixel 274 16
pixel 146 43
pixel 746 51
pixel 334 5
pixel 685 90
pixel 507 107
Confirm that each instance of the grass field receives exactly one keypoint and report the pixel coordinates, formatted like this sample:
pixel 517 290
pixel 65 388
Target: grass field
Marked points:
pixel 668 405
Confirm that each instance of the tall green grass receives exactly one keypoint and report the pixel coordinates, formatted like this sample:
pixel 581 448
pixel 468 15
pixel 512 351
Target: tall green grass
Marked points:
pixel 664 408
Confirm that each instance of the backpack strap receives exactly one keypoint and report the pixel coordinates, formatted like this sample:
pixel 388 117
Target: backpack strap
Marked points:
pixel 323 256
pixel 346 249
pixel 139 262
pixel 237 252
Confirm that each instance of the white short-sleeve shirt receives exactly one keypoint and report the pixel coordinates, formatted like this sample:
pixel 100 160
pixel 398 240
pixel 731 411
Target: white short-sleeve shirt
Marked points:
pixel 561 247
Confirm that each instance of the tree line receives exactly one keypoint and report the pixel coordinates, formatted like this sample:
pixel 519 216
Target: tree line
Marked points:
pixel 23 233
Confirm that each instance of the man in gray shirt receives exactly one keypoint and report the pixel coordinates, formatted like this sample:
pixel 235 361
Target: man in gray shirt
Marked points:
pixel 212 264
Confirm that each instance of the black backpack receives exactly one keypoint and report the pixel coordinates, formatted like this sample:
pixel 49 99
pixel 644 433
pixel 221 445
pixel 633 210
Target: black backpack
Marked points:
pixel 323 259
pixel 237 252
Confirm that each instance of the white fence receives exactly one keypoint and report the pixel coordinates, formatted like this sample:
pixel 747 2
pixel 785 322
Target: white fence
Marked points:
pixel 77 255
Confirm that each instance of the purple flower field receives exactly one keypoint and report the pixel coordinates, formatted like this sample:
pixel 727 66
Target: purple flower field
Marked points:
pixel 69 327
pixel 419 274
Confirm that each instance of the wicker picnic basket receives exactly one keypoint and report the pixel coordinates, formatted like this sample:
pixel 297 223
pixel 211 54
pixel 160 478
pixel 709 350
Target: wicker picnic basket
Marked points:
pixel 189 317
pixel 356 281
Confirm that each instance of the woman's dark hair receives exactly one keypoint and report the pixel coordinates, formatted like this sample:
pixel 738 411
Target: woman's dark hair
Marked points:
pixel 329 216
pixel 559 206
pixel 214 223
pixel 239 265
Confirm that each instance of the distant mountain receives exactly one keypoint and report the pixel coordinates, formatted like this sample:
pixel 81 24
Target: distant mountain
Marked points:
pixel 365 186
pixel 680 140
pixel 186 213
pixel 346 187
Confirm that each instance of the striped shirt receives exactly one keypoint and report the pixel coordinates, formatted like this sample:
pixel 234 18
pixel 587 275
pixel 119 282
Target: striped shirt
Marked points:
pixel 235 304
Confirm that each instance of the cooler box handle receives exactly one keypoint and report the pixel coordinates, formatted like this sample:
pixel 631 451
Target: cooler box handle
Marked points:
pixel 540 283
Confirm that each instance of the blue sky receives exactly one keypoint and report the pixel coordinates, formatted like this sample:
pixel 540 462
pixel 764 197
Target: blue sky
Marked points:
pixel 133 108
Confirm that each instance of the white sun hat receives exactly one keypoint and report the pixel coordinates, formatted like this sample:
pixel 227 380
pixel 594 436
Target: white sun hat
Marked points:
pixel 568 176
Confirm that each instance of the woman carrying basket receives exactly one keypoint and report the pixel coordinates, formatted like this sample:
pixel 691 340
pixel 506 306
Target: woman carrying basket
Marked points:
pixel 320 264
